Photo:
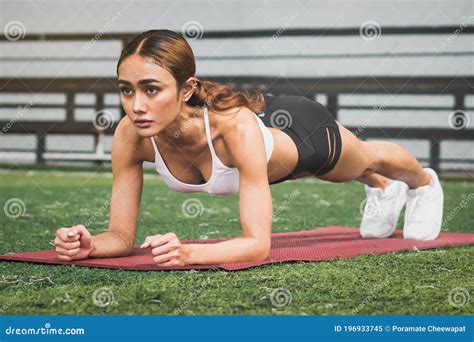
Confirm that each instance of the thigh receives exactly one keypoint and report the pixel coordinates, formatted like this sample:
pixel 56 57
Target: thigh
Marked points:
pixel 358 158
pixel 303 122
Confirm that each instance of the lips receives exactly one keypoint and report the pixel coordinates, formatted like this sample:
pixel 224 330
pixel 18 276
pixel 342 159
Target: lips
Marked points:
pixel 142 123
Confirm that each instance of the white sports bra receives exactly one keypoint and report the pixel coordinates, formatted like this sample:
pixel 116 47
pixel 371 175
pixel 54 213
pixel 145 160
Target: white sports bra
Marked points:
pixel 224 180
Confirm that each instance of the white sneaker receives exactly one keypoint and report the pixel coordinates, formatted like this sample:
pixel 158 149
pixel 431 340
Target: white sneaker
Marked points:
pixel 424 211
pixel 382 209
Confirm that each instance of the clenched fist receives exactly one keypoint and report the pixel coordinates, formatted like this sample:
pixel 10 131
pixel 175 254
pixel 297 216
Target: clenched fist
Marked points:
pixel 73 243
pixel 166 249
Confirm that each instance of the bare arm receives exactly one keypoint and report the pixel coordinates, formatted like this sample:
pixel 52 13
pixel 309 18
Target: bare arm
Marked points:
pixel 248 150
pixel 76 242
pixel 255 205
pixel 127 188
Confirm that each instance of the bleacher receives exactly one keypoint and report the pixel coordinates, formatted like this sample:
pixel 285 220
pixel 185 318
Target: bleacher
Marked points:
pixel 404 75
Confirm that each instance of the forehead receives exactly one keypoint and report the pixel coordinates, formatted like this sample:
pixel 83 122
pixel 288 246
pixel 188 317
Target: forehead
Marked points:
pixel 135 68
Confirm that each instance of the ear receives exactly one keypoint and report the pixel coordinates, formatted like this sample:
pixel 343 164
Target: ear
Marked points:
pixel 189 87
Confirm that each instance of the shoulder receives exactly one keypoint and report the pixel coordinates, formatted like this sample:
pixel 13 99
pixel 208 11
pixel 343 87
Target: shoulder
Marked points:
pixel 236 121
pixel 241 135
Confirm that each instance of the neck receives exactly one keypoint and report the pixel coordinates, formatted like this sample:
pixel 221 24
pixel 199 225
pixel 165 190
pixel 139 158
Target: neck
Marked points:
pixel 182 131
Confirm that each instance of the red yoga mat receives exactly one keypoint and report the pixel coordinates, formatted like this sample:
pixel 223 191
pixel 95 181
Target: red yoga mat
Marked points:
pixel 327 243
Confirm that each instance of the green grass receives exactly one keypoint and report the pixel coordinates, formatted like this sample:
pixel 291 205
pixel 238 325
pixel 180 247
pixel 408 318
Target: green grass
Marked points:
pixel 397 283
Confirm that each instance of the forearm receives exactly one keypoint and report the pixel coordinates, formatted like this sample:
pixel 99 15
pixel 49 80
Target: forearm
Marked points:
pixel 235 250
pixel 110 244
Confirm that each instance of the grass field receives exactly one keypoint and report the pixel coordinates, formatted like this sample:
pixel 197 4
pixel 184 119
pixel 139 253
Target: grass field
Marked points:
pixel 399 283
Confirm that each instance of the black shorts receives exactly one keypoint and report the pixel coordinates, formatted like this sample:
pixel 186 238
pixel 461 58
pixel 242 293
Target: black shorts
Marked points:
pixel 311 126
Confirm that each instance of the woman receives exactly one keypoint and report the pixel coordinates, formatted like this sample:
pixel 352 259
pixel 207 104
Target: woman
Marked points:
pixel 206 137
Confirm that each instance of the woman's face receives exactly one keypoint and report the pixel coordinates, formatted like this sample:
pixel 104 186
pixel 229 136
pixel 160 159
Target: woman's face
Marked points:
pixel 148 95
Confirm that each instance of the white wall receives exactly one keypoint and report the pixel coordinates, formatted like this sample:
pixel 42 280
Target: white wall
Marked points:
pixel 388 55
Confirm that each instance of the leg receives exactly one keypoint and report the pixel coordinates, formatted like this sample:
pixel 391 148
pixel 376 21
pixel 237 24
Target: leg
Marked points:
pixel 374 162
pixel 374 180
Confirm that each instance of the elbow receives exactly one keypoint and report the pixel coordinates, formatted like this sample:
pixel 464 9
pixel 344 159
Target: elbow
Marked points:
pixel 128 248
pixel 262 251
pixel 127 252
pixel 127 244
pixel 261 256
pixel 123 251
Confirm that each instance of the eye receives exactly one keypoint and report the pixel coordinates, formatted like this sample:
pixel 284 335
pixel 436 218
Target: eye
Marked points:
pixel 126 91
pixel 151 90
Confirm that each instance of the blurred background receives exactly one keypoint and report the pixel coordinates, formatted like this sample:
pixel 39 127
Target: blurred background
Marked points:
pixel 388 69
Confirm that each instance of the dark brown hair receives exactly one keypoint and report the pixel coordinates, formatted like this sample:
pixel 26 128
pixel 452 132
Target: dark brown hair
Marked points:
pixel 172 52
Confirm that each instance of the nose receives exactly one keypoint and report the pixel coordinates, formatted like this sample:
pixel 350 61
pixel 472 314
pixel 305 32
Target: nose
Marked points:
pixel 139 105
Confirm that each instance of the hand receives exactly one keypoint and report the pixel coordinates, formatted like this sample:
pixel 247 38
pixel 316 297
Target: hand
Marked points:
pixel 167 250
pixel 73 243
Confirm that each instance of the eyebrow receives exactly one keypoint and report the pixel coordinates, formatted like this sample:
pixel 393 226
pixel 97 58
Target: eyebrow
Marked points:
pixel 141 82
